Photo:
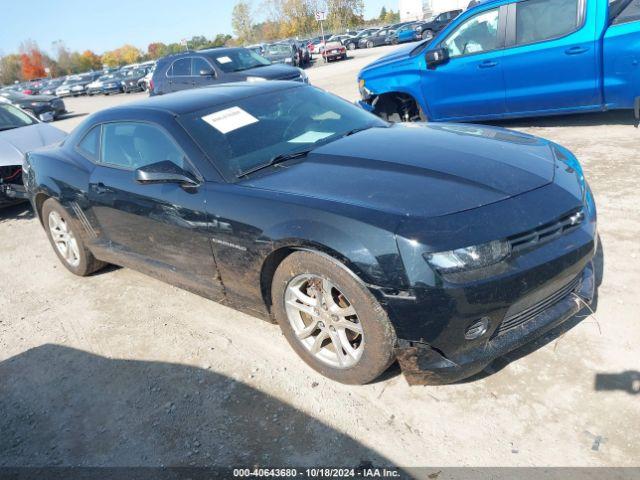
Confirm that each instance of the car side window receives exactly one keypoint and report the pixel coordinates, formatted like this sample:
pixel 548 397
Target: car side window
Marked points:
pixel 475 35
pixel 630 12
pixel 133 145
pixel 199 64
pixel 181 68
pixel 539 20
pixel 90 143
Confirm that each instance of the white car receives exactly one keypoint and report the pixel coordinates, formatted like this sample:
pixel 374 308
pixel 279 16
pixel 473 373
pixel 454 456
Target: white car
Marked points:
pixel 19 133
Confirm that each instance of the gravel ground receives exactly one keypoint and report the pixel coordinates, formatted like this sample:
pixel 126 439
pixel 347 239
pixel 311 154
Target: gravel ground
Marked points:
pixel 120 369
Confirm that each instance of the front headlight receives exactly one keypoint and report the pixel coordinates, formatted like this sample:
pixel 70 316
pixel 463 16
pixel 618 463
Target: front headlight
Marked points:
pixel 565 156
pixel 469 258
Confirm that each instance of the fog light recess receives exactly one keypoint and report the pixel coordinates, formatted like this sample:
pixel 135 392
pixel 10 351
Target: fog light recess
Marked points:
pixel 477 329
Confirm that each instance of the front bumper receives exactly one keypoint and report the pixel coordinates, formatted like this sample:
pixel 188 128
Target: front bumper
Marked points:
pixel 423 365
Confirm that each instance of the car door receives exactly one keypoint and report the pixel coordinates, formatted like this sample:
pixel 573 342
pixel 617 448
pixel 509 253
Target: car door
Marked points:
pixel 379 38
pixel 179 75
pixel 551 62
pixel 161 228
pixel 198 66
pixel 470 84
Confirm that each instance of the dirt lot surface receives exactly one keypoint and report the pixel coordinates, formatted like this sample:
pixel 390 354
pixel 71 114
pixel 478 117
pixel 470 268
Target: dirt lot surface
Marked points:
pixel 120 369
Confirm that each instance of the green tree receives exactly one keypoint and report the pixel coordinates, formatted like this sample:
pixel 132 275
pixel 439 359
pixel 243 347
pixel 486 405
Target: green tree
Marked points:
pixel 10 69
pixel 241 21
pixel 383 13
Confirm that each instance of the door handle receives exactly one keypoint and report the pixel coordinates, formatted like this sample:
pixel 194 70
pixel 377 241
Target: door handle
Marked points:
pixel 488 64
pixel 100 188
pixel 575 50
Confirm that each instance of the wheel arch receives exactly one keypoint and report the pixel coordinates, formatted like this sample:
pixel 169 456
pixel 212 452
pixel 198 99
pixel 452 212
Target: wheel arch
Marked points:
pixel 403 103
pixel 277 256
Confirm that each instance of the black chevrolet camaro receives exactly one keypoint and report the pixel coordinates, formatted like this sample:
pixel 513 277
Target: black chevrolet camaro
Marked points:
pixel 443 246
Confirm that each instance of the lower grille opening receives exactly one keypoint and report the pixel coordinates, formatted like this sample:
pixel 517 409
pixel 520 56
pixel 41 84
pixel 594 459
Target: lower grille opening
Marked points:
pixel 527 314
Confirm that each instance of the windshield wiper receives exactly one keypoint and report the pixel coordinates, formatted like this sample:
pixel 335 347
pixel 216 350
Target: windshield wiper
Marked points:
pixel 284 157
pixel 361 129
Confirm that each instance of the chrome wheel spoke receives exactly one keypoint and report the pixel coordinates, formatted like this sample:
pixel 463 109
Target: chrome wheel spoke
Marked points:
pixel 324 321
pixel 307 331
pixel 337 346
pixel 317 344
pixel 349 325
pixel 302 307
pixel 304 298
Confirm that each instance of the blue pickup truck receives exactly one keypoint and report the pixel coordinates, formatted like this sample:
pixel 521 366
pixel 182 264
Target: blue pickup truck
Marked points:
pixel 508 59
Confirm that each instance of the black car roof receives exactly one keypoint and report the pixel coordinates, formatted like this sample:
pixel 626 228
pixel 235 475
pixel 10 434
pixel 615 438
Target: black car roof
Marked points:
pixel 188 101
pixel 205 52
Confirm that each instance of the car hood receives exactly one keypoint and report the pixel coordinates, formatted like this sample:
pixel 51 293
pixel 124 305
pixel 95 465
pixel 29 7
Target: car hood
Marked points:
pixel 402 53
pixel 14 144
pixel 270 72
pixel 419 171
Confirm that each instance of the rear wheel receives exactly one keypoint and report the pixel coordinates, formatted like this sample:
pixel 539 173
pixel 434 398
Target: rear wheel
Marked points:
pixel 369 44
pixel 331 319
pixel 351 46
pixel 63 235
pixel 427 35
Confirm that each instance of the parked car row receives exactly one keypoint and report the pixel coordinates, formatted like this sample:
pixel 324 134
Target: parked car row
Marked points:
pixel 125 79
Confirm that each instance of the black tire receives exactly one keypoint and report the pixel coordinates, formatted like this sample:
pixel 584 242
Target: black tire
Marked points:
pixel 88 263
pixel 369 44
pixel 427 34
pixel 378 333
pixel 351 46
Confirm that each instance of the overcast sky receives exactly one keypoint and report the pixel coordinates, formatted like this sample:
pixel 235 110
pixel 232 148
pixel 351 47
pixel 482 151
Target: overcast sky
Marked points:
pixel 105 25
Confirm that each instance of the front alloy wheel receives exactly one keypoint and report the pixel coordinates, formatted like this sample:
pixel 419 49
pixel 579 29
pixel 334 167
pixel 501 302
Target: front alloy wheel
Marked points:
pixel 64 239
pixel 331 319
pixel 68 245
pixel 324 321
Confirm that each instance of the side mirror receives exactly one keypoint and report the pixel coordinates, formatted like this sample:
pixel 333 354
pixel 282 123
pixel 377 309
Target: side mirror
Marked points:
pixel 165 172
pixel 207 73
pixel 436 57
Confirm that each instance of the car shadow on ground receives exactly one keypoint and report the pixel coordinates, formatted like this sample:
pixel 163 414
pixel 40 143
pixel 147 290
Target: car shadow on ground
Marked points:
pixel 66 407
pixel 19 211
pixel 628 381
pixel 613 117
pixel 554 334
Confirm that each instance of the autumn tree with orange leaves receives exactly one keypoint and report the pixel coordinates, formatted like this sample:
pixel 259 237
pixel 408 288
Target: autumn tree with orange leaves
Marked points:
pixel 32 65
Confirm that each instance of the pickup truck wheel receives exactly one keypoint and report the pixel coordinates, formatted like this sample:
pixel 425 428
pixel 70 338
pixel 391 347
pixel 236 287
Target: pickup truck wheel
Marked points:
pixel 68 245
pixel 331 319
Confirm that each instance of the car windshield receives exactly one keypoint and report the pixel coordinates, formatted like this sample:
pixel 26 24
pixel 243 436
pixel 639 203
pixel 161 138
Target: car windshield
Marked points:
pixel 240 136
pixel 278 49
pixel 238 60
pixel 12 117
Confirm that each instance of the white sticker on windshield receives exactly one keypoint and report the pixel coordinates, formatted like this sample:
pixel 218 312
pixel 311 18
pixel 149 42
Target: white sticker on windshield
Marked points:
pixel 229 119
pixel 310 137
pixel 224 60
